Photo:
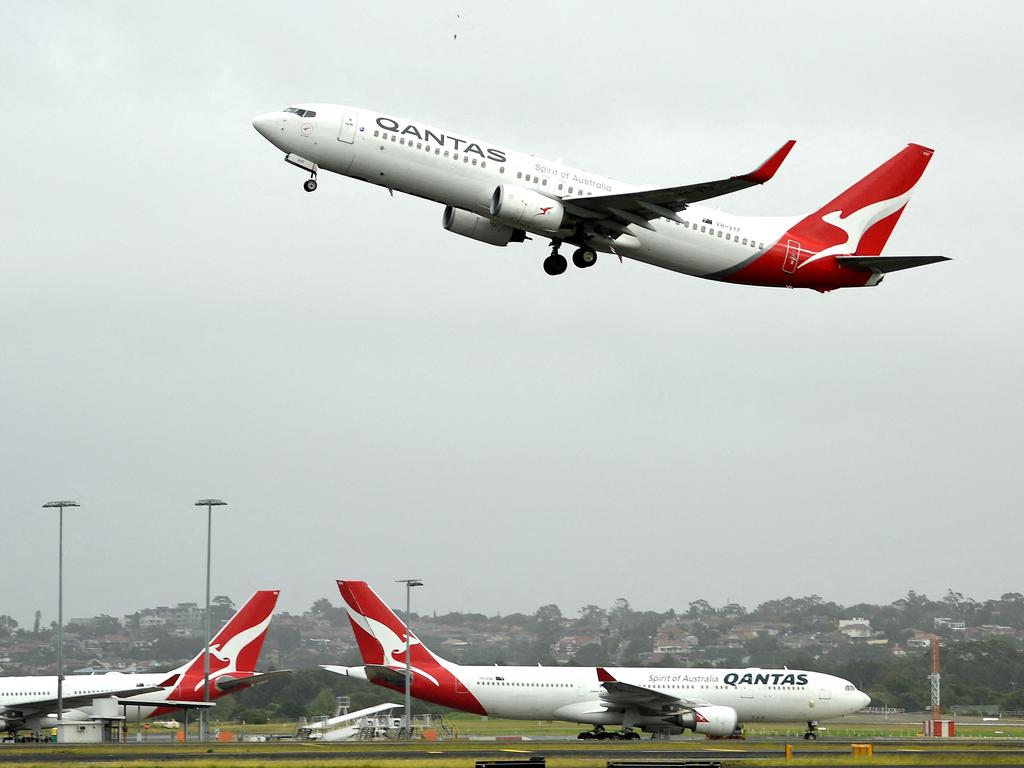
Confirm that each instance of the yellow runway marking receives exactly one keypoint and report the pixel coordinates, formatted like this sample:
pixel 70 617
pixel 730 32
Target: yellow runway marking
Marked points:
pixel 518 751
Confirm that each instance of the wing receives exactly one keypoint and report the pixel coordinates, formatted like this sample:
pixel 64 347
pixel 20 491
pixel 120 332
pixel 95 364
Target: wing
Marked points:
pixel 615 212
pixel 70 702
pixel 619 695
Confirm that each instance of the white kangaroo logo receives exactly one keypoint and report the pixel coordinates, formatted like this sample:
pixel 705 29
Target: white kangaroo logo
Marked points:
pixel 856 224
pixel 392 644
pixel 229 651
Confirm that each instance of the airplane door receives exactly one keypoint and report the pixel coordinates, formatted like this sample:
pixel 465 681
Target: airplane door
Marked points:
pixel 792 257
pixel 347 132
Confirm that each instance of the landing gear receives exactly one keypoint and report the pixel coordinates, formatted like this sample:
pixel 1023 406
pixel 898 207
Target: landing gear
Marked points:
pixel 812 730
pixel 555 264
pixel 309 184
pixel 584 257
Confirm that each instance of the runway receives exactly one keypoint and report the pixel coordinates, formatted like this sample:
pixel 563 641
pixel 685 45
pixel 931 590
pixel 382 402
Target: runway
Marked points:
pixel 886 753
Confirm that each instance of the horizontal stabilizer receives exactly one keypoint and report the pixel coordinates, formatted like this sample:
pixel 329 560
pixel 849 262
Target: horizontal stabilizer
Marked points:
pixel 133 702
pixel 378 673
pixel 883 264
pixel 228 682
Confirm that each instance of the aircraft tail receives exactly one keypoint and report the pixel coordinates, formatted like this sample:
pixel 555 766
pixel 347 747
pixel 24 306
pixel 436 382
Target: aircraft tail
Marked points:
pixel 236 647
pixel 859 221
pixel 379 632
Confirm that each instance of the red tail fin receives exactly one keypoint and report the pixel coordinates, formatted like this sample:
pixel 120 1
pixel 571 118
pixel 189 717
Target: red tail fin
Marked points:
pixel 238 644
pixel 382 635
pixel 379 632
pixel 861 219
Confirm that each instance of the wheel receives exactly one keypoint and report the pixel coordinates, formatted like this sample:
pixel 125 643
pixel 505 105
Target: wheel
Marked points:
pixel 602 735
pixel 309 185
pixel 584 257
pixel 555 265
pixel 810 736
pixel 633 736
pixel 585 735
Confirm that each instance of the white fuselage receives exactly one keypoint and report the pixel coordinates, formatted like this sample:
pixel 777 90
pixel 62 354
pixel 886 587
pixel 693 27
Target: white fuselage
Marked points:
pixel 461 172
pixel 30 694
pixel 566 693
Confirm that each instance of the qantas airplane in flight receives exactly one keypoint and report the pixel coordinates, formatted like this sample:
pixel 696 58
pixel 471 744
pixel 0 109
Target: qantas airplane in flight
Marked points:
pixel 500 196
pixel 709 701
pixel 29 703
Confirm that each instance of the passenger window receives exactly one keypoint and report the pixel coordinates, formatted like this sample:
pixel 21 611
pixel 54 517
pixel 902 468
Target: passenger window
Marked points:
pixel 744 241
pixel 728 236
pixel 446 153
pixel 760 245
pixel 544 183
pixel 560 187
pixel 402 140
pixel 376 134
pixel 703 228
pixel 392 137
pixel 474 161
pixel 519 174
pixel 437 150
pixel 419 145
pixel 465 158
pixel 501 169
pixel 483 164
pixel 570 190
pixel 719 233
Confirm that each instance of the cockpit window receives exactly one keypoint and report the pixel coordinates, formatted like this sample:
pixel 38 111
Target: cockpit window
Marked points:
pixel 301 112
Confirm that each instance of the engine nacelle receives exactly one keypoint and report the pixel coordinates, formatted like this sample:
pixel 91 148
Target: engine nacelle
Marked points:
pixel 480 227
pixel 70 715
pixel 527 209
pixel 713 720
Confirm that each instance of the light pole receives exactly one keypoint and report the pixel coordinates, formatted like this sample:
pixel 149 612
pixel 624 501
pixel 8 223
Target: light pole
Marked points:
pixel 409 584
pixel 60 610
pixel 204 715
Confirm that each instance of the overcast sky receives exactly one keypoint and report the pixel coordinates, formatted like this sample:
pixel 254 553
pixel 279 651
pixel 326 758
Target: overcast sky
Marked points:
pixel 377 398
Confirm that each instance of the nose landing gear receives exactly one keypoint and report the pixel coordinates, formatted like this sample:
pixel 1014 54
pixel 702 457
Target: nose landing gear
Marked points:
pixel 310 184
pixel 812 730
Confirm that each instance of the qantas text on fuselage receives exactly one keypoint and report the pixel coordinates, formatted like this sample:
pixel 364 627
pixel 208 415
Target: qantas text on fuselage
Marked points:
pixel 499 196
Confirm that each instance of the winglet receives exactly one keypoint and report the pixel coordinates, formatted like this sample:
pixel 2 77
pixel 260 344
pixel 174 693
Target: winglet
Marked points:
pixel 769 166
pixel 603 676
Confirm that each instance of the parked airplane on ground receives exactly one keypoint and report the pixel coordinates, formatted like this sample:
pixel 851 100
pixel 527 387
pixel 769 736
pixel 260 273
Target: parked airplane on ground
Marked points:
pixel 498 196
pixel 377 720
pixel 709 701
pixel 29 703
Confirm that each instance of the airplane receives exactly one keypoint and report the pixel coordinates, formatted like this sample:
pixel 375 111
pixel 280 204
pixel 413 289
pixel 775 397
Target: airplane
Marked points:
pixel 500 196
pixel 347 726
pixel 29 703
pixel 710 701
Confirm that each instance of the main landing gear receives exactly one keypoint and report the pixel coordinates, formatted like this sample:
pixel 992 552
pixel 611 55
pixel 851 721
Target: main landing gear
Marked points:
pixel 626 734
pixel 310 184
pixel 812 730
pixel 583 257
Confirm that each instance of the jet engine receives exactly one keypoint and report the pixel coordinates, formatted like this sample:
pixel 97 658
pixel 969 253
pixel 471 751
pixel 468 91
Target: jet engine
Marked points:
pixel 713 720
pixel 479 227
pixel 70 715
pixel 526 208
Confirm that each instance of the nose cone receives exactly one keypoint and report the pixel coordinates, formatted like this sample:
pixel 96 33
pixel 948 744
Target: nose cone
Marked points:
pixel 265 124
pixel 862 700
